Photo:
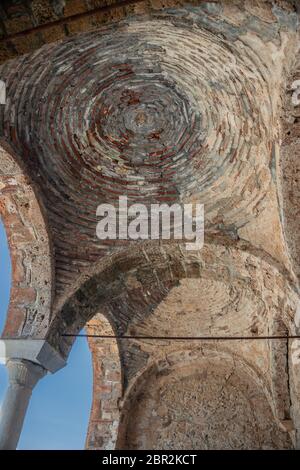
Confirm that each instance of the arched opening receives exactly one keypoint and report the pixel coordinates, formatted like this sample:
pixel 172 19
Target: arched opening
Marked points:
pixel 62 401
pixel 5 276
pixel 58 415
pixel 64 397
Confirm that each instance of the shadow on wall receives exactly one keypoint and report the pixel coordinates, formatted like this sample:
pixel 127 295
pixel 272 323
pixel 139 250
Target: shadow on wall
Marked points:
pixel 59 410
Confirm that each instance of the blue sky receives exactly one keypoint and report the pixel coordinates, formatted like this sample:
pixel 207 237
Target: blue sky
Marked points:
pixel 58 414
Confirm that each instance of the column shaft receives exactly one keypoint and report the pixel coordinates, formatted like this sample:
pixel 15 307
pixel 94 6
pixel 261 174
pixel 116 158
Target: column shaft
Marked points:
pixel 23 376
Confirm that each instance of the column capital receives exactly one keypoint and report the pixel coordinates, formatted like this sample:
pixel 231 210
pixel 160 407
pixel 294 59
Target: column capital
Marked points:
pixel 24 373
pixel 36 351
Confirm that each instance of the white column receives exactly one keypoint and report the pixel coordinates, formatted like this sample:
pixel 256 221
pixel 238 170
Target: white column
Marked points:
pixel 27 360
pixel 23 376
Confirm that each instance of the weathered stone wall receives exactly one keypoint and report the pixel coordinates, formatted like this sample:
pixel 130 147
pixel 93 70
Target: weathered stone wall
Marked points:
pixel 290 162
pixel 69 17
pixel 30 251
pixel 212 401
pixel 107 386
pixel 28 16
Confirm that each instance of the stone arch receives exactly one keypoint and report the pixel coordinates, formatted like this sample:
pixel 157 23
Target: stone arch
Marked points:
pixel 29 311
pixel 145 425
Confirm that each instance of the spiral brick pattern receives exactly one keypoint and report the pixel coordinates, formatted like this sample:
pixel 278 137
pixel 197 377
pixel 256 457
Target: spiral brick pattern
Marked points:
pixel 161 109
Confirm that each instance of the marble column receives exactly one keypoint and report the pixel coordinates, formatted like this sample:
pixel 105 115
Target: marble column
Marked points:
pixel 23 376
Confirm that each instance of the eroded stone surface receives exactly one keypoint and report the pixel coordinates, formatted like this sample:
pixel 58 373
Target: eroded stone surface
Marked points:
pixel 290 163
pixel 214 404
pixel 31 298
pixel 107 386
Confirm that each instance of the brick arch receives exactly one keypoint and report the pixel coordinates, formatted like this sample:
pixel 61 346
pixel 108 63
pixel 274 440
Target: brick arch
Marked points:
pixel 138 279
pixel 29 310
